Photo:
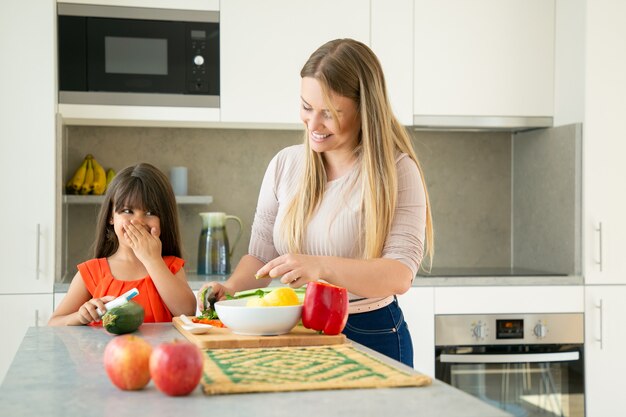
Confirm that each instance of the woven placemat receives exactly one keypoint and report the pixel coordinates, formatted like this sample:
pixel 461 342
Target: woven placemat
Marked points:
pixel 234 371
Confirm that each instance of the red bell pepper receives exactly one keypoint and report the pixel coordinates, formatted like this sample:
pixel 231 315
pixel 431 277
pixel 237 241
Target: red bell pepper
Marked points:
pixel 325 308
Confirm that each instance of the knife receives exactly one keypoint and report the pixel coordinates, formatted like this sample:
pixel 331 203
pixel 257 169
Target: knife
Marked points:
pixel 121 300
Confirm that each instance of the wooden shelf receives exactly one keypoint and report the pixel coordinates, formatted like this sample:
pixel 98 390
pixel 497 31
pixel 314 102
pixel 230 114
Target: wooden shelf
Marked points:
pixel 98 199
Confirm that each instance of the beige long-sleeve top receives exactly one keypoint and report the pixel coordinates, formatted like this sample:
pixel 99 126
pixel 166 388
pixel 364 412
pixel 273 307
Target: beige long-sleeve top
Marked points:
pixel 336 227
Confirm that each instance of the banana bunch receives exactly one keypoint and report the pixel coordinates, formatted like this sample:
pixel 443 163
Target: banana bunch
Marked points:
pixel 90 178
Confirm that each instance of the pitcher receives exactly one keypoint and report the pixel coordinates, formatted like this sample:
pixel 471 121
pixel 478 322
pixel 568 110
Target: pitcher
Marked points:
pixel 214 252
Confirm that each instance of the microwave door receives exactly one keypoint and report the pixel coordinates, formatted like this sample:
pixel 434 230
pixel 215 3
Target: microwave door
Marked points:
pixel 143 57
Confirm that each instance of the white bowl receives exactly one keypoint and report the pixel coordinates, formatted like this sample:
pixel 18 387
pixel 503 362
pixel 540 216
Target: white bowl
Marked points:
pixel 257 321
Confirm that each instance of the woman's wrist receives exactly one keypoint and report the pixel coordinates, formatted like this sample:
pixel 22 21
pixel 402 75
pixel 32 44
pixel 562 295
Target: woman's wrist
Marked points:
pixel 230 288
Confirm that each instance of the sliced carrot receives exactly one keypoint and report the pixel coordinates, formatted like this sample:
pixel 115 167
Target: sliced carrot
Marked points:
pixel 212 322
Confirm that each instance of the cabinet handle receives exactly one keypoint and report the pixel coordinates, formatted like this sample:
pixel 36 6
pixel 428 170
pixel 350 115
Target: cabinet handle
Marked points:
pixel 37 318
pixel 599 230
pixel 599 306
pixel 37 251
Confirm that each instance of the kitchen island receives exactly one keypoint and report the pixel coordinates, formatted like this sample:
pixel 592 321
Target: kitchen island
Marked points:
pixel 58 371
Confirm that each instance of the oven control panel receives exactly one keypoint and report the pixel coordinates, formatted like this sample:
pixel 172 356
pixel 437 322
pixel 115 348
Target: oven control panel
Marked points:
pixel 509 328
pixel 494 329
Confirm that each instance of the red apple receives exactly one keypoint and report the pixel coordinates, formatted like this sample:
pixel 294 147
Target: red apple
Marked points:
pixel 176 367
pixel 127 362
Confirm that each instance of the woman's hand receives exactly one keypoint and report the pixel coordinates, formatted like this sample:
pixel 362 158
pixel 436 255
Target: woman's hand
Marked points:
pixel 88 313
pixel 219 290
pixel 296 270
pixel 145 243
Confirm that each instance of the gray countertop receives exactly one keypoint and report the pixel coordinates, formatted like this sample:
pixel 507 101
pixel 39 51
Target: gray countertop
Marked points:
pixel 495 281
pixel 58 371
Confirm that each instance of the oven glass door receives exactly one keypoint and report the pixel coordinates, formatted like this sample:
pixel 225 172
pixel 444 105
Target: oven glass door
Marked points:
pixel 522 380
pixel 136 56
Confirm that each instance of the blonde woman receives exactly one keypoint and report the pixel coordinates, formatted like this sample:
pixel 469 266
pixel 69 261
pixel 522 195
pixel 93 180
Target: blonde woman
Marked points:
pixel 348 206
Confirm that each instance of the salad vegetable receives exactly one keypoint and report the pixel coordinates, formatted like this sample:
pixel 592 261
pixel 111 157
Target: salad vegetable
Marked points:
pixel 208 298
pixel 262 292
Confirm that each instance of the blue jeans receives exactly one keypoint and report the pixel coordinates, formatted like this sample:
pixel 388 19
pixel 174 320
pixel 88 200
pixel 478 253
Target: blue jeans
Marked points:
pixel 383 330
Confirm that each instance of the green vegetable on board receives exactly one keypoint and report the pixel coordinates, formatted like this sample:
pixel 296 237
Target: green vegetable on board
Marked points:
pixel 123 319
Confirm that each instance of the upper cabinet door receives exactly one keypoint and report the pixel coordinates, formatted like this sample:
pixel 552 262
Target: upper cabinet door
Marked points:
pixel 604 145
pixel 392 42
pixel 484 58
pixel 264 45
pixel 27 147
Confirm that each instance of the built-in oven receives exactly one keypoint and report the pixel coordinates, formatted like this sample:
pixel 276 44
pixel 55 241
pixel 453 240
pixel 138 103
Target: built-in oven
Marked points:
pixel 526 364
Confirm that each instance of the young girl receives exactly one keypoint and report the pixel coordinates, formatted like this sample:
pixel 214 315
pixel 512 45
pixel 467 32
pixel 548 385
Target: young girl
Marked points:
pixel 137 246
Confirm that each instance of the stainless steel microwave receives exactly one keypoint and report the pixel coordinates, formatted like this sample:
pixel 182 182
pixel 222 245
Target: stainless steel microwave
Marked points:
pixel 135 56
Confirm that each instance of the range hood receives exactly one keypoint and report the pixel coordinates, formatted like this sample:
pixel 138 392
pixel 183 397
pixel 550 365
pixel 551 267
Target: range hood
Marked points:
pixel 481 123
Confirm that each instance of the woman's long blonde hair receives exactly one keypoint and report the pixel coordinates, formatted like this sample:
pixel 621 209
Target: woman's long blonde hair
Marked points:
pixel 350 69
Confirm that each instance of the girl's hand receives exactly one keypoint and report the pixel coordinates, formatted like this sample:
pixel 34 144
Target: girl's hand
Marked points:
pixel 88 313
pixel 296 270
pixel 145 243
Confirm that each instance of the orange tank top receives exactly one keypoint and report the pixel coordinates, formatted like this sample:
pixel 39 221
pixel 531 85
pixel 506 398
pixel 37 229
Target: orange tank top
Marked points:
pixel 100 282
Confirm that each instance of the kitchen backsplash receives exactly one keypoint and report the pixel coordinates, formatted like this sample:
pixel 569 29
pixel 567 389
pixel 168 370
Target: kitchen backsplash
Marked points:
pixel 547 169
pixel 468 175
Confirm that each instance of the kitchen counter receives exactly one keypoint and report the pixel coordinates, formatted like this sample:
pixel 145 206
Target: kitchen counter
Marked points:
pixel 496 281
pixel 492 276
pixel 58 371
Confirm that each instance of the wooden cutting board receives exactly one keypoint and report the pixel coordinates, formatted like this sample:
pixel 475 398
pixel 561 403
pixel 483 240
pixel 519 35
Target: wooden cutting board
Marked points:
pixel 223 338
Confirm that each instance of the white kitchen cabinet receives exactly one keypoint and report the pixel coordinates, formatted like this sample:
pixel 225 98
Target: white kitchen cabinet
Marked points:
pixel 392 42
pixel 605 337
pixel 19 312
pixel 160 4
pixel 417 306
pixel 569 62
pixel 604 223
pixel 483 58
pixel 508 299
pixel 263 46
pixel 604 147
pixel 27 146
pixel 155 116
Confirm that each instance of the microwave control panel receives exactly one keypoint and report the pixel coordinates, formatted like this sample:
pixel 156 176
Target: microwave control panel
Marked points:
pixel 202 57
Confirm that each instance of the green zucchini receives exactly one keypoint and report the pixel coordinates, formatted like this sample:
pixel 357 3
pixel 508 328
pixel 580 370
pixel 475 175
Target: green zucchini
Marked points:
pixel 260 292
pixel 123 319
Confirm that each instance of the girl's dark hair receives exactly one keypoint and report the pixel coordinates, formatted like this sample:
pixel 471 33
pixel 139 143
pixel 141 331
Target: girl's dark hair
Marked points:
pixel 145 187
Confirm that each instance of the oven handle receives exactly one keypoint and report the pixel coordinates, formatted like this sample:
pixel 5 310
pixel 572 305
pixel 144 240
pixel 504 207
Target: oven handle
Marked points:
pixel 510 358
